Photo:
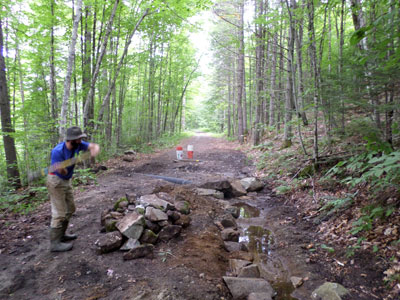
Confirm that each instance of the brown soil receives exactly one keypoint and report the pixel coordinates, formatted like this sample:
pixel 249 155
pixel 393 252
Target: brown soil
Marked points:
pixel 188 267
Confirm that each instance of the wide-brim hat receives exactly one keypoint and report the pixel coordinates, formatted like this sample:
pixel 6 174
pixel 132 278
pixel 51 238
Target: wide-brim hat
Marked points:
pixel 74 133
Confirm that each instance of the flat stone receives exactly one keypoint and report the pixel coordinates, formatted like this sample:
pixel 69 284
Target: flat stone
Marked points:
pixel 329 291
pixel 109 242
pixel 235 265
pixel 140 251
pixel 154 201
pixel 130 244
pixel 230 235
pixel 155 214
pixel 131 225
pixel 209 192
pixel 219 185
pixel 169 232
pixel 259 296
pixel 241 288
pixel 250 271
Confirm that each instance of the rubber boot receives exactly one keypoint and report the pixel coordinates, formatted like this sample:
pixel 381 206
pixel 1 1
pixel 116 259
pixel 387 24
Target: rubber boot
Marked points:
pixel 55 241
pixel 67 237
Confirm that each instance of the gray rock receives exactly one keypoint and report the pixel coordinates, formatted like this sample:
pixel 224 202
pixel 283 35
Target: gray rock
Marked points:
pixel 259 296
pixel 155 215
pixel 169 232
pixel 232 246
pixel 240 288
pixel 233 210
pixel 219 185
pixel 237 188
pixel 154 201
pixel 183 221
pixel 128 158
pixel 329 291
pixel 250 271
pixel 131 207
pixel 173 215
pixel 183 207
pixel 235 265
pixel 165 196
pixel 252 184
pixel 148 237
pixel 130 244
pixel 109 242
pixel 152 226
pixel 131 225
pixel 105 214
pixel 164 223
pixel 130 152
pixel 230 235
pixel 209 192
pixel 228 223
pixel 110 225
pixel 140 251
pixel 296 281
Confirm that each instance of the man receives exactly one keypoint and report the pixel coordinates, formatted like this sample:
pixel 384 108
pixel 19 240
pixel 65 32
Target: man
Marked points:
pixel 59 187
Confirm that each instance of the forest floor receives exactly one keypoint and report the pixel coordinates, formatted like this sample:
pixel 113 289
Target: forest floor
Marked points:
pixel 190 266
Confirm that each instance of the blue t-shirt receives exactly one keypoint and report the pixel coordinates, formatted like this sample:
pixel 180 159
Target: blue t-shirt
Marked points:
pixel 61 153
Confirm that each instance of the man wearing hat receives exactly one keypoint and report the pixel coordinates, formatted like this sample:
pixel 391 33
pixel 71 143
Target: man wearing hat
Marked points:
pixel 60 190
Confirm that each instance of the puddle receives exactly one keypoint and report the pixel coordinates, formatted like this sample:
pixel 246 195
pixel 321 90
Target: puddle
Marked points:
pixel 258 239
pixel 247 211
pixel 283 289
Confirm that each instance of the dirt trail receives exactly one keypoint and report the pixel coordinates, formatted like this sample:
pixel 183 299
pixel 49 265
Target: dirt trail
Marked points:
pixel 188 267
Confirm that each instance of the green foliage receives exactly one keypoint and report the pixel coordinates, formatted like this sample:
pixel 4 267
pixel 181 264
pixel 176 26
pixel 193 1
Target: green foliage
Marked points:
pixel 83 177
pixel 23 202
pixel 371 214
pixel 334 204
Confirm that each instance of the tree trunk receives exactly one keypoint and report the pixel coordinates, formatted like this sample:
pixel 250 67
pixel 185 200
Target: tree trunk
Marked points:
pixel 6 125
pixel 240 74
pixel 67 82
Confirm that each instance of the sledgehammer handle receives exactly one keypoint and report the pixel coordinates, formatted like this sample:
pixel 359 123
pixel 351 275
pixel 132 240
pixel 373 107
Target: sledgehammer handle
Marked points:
pixel 32 176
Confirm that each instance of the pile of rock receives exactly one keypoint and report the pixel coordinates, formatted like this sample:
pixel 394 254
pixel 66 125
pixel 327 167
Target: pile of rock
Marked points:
pixel 135 226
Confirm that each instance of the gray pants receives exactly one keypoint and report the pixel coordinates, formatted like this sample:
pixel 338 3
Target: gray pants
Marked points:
pixel 61 199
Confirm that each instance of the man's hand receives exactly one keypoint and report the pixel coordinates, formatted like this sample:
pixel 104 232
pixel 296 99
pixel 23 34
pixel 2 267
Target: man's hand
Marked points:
pixel 94 149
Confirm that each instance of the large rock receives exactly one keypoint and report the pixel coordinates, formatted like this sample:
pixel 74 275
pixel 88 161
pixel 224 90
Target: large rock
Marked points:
pixel 132 225
pixel 109 242
pixel 183 207
pixel 235 265
pixel 235 246
pixel 155 215
pixel 219 185
pixel 154 201
pixel 230 235
pixel 169 232
pixel 237 188
pixel 259 296
pixel 209 192
pixel 130 244
pixel 252 184
pixel 250 271
pixel 148 237
pixel 140 251
pixel 329 291
pixel 240 288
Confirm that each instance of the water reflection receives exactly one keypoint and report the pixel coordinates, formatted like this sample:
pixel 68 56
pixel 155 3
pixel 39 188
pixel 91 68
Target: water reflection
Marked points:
pixel 257 238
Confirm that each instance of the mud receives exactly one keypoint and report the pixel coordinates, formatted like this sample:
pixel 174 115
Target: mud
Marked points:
pixel 188 267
